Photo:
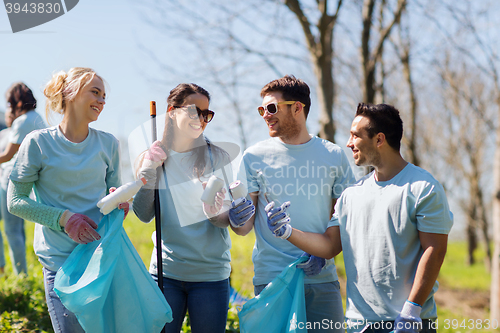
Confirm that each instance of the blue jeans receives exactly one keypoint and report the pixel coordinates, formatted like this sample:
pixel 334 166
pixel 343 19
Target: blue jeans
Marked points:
pixel 63 320
pixel 324 310
pixel 14 230
pixel 206 302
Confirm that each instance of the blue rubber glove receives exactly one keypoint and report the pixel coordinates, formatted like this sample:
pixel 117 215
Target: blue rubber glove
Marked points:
pixel 278 220
pixel 240 212
pixel 409 320
pixel 313 266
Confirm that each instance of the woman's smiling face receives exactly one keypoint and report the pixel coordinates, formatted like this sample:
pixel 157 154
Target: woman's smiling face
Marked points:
pixel 90 100
pixel 182 120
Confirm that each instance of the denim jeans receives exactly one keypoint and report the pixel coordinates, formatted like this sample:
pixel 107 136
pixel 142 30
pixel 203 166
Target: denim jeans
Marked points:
pixel 206 302
pixel 14 230
pixel 63 320
pixel 324 310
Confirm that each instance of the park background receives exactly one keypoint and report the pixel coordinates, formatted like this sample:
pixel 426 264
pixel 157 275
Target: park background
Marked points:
pixel 437 61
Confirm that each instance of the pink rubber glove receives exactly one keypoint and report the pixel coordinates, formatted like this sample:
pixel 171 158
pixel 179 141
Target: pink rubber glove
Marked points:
pixel 123 205
pixel 153 158
pixel 81 229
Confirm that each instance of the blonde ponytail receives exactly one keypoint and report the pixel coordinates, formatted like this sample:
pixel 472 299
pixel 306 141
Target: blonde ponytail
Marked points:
pixel 64 87
pixel 54 93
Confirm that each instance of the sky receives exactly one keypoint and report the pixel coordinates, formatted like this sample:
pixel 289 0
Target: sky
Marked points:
pixel 103 35
pixel 114 38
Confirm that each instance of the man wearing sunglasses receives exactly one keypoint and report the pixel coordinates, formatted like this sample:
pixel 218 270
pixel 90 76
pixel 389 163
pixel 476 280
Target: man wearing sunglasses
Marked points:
pixel 304 175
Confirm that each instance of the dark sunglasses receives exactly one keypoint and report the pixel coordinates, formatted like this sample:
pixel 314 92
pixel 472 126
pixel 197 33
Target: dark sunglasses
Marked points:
pixel 272 108
pixel 208 115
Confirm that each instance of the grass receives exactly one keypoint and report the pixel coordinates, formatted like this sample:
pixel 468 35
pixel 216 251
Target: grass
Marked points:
pixel 23 309
pixel 455 273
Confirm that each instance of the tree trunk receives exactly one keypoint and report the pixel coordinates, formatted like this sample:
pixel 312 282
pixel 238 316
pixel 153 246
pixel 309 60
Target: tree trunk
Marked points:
pixel 483 220
pixel 371 56
pixel 326 95
pixel 495 262
pixel 321 50
pixel 412 142
pixel 471 240
pixel 368 69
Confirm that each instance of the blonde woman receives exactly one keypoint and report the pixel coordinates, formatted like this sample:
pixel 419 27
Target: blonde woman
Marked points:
pixel 70 167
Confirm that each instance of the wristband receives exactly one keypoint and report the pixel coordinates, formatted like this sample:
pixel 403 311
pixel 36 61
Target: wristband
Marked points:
pixel 411 309
pixel 65 216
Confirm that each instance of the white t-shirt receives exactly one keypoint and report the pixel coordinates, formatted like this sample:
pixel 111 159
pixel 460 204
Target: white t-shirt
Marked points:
pixel 379 224
pixel 21 126
pixel 66 175
pixel 309 175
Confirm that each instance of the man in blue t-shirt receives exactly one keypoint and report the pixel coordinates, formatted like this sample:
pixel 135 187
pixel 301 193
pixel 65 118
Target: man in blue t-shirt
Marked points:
pixel 392 226
pixel 297 177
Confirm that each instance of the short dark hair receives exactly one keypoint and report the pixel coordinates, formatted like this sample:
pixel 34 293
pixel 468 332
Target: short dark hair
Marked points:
pixel 292 89
pixel 19 92
pixel 383 119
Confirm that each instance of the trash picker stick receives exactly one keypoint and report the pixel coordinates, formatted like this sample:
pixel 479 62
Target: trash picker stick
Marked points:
pixel 159 262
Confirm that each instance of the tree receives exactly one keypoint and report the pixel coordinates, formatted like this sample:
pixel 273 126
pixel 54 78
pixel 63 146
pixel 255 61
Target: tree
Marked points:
pixel 320 46
pixel 465 104
pixel 472 35
pixel 404 52
pixel 269 26
pixel 373 39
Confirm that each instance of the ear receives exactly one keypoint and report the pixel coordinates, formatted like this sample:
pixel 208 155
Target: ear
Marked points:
pixel 380 139
pixel 298 108
pixel 170 112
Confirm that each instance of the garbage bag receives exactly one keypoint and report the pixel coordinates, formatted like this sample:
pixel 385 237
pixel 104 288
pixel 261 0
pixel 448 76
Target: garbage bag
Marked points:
pixel 106 285
pixel 280 307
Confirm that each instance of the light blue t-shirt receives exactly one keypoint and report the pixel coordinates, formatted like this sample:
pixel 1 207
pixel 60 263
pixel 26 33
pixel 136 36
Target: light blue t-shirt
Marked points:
pixel 4 140
pixel 193 249
pixel 379 224
pixel 309 175
pixel 21 126
pixel 66 175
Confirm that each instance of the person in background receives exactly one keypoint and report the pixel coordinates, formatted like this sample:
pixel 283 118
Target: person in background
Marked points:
pixel 392 226
pixel 4 137
pixel 70 167
pixel 195 238
pixel 22 118
pixel 304 176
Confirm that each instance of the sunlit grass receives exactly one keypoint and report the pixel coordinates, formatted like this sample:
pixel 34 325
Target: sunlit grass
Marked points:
pixel 456 273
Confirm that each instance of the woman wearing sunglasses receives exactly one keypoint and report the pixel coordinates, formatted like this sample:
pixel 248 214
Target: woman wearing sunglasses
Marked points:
pixel 195 240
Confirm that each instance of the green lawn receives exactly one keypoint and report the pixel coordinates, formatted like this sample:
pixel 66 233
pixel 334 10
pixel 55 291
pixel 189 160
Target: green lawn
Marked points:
pixel 23 305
